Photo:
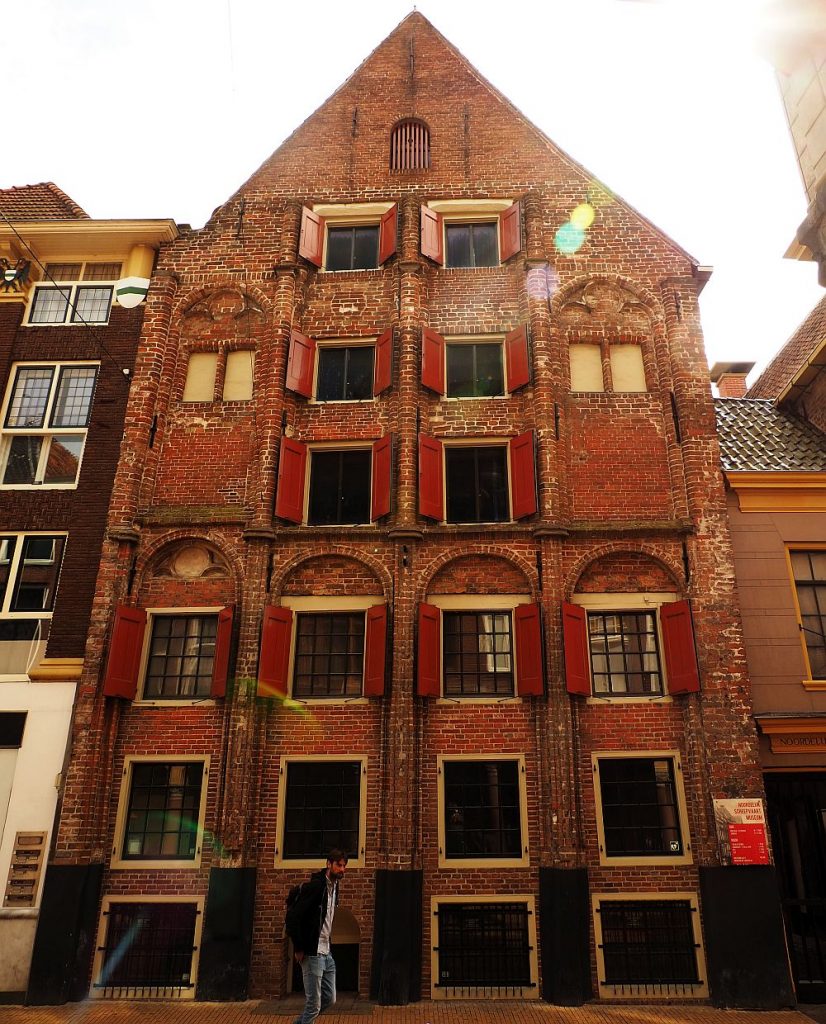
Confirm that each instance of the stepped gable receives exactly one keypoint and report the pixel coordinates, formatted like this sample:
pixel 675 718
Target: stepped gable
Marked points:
pixel 44 201
pixel 415 72
pixel 803 345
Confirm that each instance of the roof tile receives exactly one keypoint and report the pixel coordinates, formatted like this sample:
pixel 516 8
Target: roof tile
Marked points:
pixel 757 437
pixel 39 202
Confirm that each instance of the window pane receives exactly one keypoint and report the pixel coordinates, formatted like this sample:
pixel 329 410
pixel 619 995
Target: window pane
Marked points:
pixel 148 946
pixel 477 648
pixel 38 574
pixel 92 305
pixel 63 461
pixel 101 272
pixel 8 545
pixel 474 371
pixel 182 656
pixel 483 944
pixel 460 371
pixel 50 305
pixel 624 653
pixel 329 658
pixel 485 245
pixel 63 271
pixel 458 245
pixel 30 397
pixel 200 377
pixel 170 829
pixel 74 396
pixel 238 376
pixel 477 484
pixel 340 487
pixel 339 249
pixel 482 814
pixel 331 374
pixel 493 485
pixel 322 809
pixel 359 372
pixel 365 248
pixel 489 376
pixel 639 804
pixel 648 942
pixel 23 459
pixel 810 582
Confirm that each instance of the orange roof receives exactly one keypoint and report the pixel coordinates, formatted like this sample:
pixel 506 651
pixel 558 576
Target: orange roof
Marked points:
pixel 39 202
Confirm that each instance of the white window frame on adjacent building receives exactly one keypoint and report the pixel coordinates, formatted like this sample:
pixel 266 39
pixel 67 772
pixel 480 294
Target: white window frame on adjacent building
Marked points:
pixel 140 863
pixel 38 421
pixel 70 280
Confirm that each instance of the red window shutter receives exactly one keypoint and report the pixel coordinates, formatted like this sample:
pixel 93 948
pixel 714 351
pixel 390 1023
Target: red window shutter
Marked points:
pixel 383 362
pixel 382 470
pixel 433 361
pixel 523 475
pixel 680 652
pixel 301 364
pixel 387 233
pixel 292 469
pixel 577 653
pixel 431 482
pixel 516 358
pixel 429 677
pixel 510 231
pixel 528 629
pixel 223 642
pixel 125 650
pixel 375 650
pixel 311 240
pixel 432 235
pixel 274 657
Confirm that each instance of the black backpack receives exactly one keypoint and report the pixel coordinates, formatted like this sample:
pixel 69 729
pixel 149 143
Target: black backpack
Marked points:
pixel 294 895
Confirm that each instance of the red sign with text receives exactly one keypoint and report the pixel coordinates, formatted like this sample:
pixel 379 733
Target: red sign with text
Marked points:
pixel 748 844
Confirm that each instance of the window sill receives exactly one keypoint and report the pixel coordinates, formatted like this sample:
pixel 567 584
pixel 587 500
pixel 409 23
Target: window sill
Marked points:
pixel 661 860
pixel 322 402
pixel 448 701
pixel 155 865
pixel 323 701
pixel 39 487
pixel 314 863
pixel 203 702
pixel 484 863
pixel 662 698
pixel 814 685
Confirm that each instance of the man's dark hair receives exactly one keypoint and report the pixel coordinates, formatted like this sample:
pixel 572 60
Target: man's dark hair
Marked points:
pixel 336 854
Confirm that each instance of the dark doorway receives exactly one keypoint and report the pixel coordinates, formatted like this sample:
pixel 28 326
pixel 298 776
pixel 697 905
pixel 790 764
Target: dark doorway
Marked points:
pixel 797 819
pixel 346 956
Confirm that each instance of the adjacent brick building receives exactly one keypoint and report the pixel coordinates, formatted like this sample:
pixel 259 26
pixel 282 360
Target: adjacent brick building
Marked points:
pixel 67 348
pixel 417 546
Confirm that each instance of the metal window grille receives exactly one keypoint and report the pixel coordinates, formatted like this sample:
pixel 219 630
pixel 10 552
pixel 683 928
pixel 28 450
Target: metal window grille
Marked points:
pixel 640 815
pixel 477 484
pixel 625 660
pixel 648 942
pixel 478 659
pixel 809 569
pixel 410 147
pixel 322 808
pixel 482 810
pixel 329 655
pixel 181 656
pixel 162 817
pixel 484 945
pixel 148 948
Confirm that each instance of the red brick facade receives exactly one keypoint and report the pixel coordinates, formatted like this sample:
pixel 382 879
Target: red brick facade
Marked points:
pixel 630 500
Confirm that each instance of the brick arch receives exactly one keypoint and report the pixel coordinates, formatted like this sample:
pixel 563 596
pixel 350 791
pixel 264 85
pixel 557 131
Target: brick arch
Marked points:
pixel 660 556
pixel 158 548
pixel 186 300
pixel 335 551
pixel 647 298
pixel 521 564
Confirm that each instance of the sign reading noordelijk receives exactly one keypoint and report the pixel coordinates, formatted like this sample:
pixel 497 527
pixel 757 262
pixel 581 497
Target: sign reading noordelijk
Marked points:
pixel 741 829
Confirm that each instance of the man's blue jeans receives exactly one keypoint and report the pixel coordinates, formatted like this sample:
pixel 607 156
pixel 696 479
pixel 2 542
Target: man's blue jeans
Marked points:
pixel 319 973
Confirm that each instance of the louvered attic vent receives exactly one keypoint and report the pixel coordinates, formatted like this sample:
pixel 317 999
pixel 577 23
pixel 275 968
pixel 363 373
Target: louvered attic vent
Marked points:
pixel 410 147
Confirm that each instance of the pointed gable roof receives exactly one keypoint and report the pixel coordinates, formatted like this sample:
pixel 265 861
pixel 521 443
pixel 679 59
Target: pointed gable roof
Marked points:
pixel 416 72
pixel 44 201
pixel 798 362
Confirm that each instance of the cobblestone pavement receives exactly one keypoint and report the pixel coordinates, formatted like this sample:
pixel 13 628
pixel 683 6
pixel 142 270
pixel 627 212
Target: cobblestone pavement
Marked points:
pixel 358 1012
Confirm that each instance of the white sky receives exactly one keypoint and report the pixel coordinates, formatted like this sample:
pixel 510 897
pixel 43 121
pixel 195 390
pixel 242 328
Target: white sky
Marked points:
pixel 162 108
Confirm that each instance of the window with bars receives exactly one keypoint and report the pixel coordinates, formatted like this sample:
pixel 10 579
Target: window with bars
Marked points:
pixel 482 809
pixel 29 573
pixel 477 484
pixel 329 654
pixel 148 950
pixel 46 414
pixel 809 568
pixel 181 657
pixel 163 811
pixel 483 945
pixel 74 293
pixel 640 807
pixel 322 809
pixel 478 654
pixel 625 659
pixel 648 942
pixel 410 146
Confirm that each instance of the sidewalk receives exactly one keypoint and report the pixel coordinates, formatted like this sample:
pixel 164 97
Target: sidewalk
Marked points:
pixel 358 1012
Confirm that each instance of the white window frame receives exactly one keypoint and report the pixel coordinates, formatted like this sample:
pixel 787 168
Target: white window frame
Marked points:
pixel 322 343
pixel 483 863
pixel 636 860
pixel 315 862
pixel 147 992
pixel 649 601
pixel 300 605
pixel 72 288
pixel 477 603
pixel 147 863
pixel 168 702
pixel 350 215
pixel 484 992
pixel 47 432
pixel 650 990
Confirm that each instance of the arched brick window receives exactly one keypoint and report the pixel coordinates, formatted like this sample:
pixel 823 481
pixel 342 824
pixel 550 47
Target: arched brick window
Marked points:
pixel 410 146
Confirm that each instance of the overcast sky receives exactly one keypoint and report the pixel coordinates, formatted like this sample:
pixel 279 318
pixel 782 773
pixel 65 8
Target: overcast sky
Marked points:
pixel 162 108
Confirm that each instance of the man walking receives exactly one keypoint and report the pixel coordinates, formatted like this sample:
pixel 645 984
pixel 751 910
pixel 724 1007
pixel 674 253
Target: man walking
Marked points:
pixel 309 924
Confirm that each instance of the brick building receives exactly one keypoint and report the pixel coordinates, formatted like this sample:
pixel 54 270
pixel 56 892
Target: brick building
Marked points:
pixel 67 347
pixel 417 521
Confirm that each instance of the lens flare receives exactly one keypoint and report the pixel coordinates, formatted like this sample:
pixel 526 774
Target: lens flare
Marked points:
pixel 598 195
pixel 569 238
pixel 583 216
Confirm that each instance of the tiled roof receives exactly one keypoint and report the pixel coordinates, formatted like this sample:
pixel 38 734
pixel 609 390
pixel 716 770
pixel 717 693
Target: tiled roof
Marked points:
pixel 794 355
pixel 39 202
pixel 755 437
